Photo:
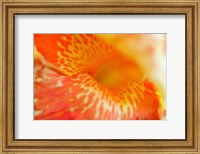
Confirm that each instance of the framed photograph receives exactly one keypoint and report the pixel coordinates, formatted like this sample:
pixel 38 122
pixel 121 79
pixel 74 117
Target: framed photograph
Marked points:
pixel 99 76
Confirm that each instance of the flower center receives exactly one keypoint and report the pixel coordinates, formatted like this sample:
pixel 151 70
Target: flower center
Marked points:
pixel 116 73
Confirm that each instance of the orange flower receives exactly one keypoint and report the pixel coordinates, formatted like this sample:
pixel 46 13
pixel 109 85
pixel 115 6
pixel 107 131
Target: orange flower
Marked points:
pixel 88 77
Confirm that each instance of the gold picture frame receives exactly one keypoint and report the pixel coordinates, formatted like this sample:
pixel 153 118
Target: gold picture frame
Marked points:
pixel 10 8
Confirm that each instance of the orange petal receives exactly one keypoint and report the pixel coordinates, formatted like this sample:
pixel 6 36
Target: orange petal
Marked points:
pixel 81 97
pixel 75 53
pixel 76 97
pixel 142 99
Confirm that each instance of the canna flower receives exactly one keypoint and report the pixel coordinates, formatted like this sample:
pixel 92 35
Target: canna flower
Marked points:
pixel 98 77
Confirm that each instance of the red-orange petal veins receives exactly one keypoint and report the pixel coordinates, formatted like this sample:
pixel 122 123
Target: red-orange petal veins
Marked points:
pixel 72 54
pixel 73 97
pixel 81 97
